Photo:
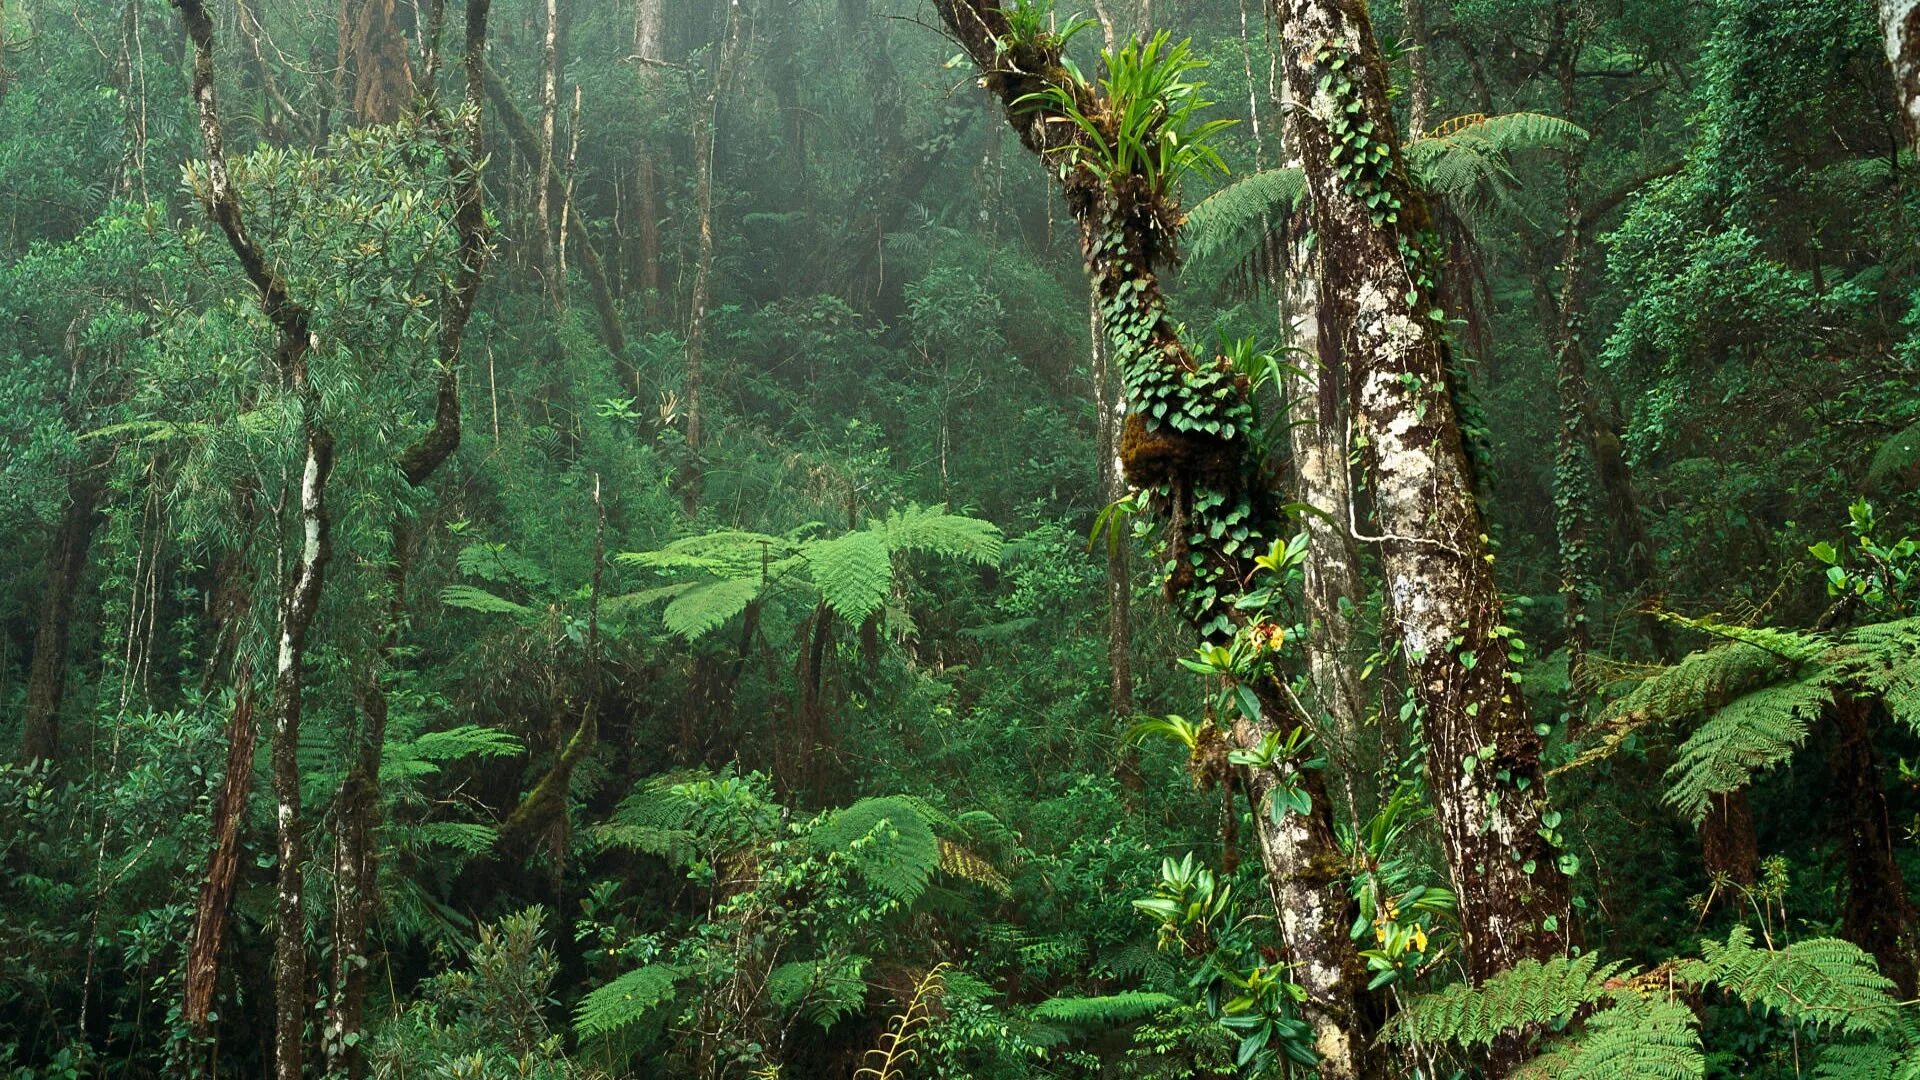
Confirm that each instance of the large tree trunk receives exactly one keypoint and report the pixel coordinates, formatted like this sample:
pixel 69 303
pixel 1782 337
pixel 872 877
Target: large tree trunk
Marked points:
pixel 382 72
pixel 649 32
pixel 1878 915
pixel 1110 414
pixel 544 180
pixel 1204 488
pixel 705 120
pixel 1333 585
pixel 1900 21
pixel 1379 281
pixel 66 563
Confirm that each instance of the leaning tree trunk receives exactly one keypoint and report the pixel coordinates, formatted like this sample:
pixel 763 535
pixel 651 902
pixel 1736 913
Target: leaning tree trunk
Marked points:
pixel 1900 21
pixel 1379 266
pixel 47 672
pixel 300 592
pixel 223 866
pixel 1186 442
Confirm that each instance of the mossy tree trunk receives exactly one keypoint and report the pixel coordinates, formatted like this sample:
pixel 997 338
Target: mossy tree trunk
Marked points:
pixel 1186 444
pixel 47 671
pixel 1379 282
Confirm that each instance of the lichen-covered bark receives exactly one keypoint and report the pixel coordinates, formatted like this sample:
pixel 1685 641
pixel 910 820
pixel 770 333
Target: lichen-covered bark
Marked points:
pixel 1900 22
pixel 1185 442
pixel 1377 298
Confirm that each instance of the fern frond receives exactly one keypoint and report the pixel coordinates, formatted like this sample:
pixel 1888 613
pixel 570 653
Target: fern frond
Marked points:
pixel 474 598
pixel 626 999
pixel 902 853
pixel 705 608
pixel 824 991
pixel 853 572
pixel 1896 465
pixel 1822 981
pixel 957 861
pixel 1528 994
pixel 466 837
pixel 1750 734
pixel 501 565
pixel 727 553
pixel 1638 1037
pixel 1885 659
pixel 1230 224
pixel 1110 1010
pixel 455 743
pixel 933 530
pixel 888 1061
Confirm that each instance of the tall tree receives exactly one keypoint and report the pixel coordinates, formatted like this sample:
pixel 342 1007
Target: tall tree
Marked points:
pixel 1900 22
pixel 311 544
pixel 1379 267
pixel 1192 448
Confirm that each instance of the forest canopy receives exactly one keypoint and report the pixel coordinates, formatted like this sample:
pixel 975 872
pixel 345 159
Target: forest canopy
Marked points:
pixel 960 539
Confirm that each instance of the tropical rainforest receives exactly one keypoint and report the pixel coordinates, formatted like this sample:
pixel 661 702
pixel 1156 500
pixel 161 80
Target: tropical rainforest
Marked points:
pixel 959 539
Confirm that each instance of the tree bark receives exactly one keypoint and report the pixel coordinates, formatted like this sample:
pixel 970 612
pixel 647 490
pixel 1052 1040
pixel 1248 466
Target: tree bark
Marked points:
pixel 1379 280
pixel 223 866
pixel 1419 85
pixel 382 71
pixel 66 563
pixel 1197 481
pixel 1110 414
pixel 705 120
pixel 544 178
pixel 649 32
pixel 1878 916
pixel 1900 22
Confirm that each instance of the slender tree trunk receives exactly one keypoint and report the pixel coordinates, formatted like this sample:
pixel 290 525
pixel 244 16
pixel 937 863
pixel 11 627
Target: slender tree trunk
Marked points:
pixel 300 595
pixel 1878 915
pixel 1419 85
pixel 649 32
pixel 66 563
pixel 705 120
pixel 544 170
pixel 526 142
pixel 1201 481
pixel 223 866
pixel 1900 21
pixel 1379 281
pixel 1110 410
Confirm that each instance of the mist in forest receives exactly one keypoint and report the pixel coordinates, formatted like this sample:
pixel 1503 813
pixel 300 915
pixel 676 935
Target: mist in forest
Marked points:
pixel 959 539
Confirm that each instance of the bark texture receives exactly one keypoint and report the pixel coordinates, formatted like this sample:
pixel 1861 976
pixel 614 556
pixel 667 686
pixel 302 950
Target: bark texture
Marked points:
pixel 1900 22
pixel 1379 283
pixel 223 867
pixel 1878 916
pixel 1199 470
pixel 382 71
pixel 47 672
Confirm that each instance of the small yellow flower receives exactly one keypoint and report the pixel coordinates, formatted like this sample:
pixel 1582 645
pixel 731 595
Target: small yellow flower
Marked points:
pixel 1419 939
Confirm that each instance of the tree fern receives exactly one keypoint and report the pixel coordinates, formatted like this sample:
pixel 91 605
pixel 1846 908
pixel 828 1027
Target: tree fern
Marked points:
pixel 824 991
pixel 1110 1010
pixel 1227 225
pixel 1821 981
pixel 1885 659
pixel 1638 1037
pixel 932 530
pixel 854 573
pixel 609 1008
pixel 1896 465
pixel 1750 734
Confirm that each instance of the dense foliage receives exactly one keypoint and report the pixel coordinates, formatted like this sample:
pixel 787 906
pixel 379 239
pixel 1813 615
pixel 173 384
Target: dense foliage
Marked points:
pixel 580 538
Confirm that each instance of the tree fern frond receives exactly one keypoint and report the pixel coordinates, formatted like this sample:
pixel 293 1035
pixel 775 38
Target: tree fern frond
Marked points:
pixel 1638 1037
pixel 705 608
pixel 900 852
pixel 854 573
pixel 1896 465
pixel 824 991
pixel 474 598
pixel 611 1007
pixel 1885 659
pixel 1750 734
pixel 957 861
pixel 1822 981
pixel 727 553
pixel 454 743
pixel 1528 994
pixel 1228 225
pixel 1110 1010
pixel 933 530
pixel 501 565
